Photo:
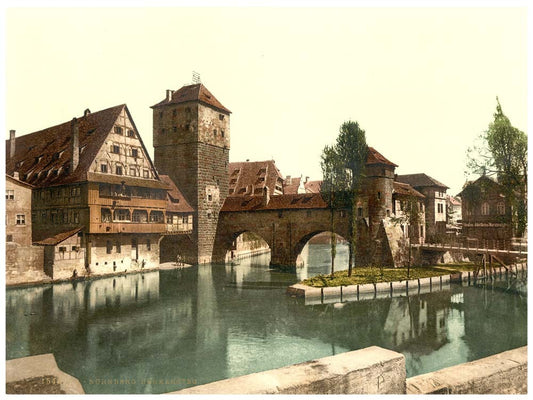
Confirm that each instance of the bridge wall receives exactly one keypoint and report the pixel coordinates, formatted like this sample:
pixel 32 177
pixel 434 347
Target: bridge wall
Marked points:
pixel 285 231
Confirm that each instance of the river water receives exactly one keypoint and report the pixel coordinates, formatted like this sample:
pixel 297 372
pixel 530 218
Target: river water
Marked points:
pixel 167 330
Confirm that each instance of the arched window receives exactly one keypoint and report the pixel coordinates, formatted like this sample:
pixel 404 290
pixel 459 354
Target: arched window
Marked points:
pixel 485 208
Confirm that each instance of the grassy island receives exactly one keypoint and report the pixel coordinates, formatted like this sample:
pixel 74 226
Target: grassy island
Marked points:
pixel 364 275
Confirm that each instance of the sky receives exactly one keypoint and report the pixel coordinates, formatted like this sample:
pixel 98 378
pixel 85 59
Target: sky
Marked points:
pixel 422 82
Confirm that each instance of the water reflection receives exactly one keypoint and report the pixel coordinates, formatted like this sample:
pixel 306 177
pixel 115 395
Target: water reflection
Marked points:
pixel 166 330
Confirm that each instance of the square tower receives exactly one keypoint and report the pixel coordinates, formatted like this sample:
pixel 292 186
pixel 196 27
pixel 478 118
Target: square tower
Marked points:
pixel 191 136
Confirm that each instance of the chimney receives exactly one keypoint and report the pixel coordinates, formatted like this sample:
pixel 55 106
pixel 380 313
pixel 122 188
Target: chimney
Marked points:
pixel 86 112
pixel 75 144
pixel 11 143
pixel 266 196
pixel 306 179
pixel 169 94
pixel 16 175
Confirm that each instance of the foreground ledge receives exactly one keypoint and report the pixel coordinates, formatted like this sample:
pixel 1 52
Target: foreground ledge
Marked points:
pixel 503 373
pixel 43 371
pixel 372 370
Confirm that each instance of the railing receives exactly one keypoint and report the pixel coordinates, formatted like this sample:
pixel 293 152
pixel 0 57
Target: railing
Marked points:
pixel 172 229
pixel 500 246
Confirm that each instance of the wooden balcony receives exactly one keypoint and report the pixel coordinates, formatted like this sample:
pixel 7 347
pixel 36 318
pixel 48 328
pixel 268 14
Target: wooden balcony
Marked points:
pixel 127 227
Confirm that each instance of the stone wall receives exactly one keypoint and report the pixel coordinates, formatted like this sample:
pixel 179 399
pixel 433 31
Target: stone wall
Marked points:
pixel 368 371
pixel 24 264
pixel 503 373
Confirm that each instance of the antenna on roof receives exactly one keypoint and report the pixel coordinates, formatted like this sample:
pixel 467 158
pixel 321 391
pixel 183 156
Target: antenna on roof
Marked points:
pixel 195 77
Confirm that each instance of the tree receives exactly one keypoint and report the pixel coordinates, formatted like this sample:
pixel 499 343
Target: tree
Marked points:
pixel 343 167
pixel 502 152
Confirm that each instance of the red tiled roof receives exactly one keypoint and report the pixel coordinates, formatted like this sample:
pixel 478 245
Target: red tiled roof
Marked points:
pixel 43 158
pixel 420 180
pixel 453 200
pixel 196 92
pixel 250 177
pixel 54 240
pixel 281 202
pixel 405 189
pixel 18 182
pixel 313 186
pixel 175 200
pixel 375 157
pixel 291 186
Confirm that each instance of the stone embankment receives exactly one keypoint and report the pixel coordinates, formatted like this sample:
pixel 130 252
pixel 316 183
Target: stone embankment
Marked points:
pixel 335 294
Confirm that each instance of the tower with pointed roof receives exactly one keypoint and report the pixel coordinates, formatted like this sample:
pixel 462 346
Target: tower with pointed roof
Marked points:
pixel 191 137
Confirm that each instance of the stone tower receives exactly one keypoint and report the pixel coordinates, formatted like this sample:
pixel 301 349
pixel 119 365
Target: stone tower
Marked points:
pixel 191 136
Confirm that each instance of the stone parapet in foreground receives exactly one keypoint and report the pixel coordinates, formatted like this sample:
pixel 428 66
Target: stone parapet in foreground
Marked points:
pixel 503 373
pixel 372 370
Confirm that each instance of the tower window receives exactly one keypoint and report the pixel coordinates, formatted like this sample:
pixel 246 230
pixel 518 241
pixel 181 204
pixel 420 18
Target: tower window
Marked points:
pixel 175 129
pixel 21 219
pixel 160 114
pixel 222 133
pixel 379 195
pixel 214 132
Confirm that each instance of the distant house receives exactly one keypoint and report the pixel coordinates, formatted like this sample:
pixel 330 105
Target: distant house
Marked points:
pixel 24 262
pixel 454 209
pixel 179 213
pixel 249 178
pixel 404 196
pixel 486 212
pixel 435 200
pixel 297 185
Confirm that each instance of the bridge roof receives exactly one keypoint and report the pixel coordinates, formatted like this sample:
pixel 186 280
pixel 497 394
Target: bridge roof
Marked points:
pixel 280 202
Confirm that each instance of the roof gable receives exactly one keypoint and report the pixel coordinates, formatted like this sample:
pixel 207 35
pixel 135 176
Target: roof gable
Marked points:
pixel 252 176
pixel 43 158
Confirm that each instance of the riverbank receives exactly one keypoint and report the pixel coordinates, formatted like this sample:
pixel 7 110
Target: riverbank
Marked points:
pixel 44 279
pixel 364 275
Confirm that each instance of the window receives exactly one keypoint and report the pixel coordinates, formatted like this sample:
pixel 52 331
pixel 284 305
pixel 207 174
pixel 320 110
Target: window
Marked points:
pixel 222 132
pixel 75 217
pixel 209 197
pixel 118 170
pixel 501 208
pixel 103 168
pixel 160 114
pixel 359 211
pixel 175 129
pixel 485 208
pixel 148 245
pixel 174 112
pixel 118 130
pixel 184 219
pixel 214 133
pixel 140 216
pixel 75 248
pixel 62 249
pixel 135 153
pixel 122 215
pixel 156 217
pixel 109 247
pixel 9 238
pixel 117 246
pixel 146 173
pixel 379 195
pixel 10 194
pixel 21 219
pixel 115 149
pixel 131 133
pixel 133 171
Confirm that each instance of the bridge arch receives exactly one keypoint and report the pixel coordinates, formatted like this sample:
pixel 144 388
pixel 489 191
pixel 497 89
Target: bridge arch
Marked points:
pixel 230 242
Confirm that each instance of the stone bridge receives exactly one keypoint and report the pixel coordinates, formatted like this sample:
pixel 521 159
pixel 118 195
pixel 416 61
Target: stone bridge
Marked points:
pixel 285 222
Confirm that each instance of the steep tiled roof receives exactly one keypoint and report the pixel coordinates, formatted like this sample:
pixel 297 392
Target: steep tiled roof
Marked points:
pixel 313 186
pixel 281 202
pixel 19 182
pixel 196 92
pixel 453 200
pixel 54 240
pixel 375 157
pixel 43 158
pixel 405 189
pixel 175 200
pixel 250 177
pixel 420 180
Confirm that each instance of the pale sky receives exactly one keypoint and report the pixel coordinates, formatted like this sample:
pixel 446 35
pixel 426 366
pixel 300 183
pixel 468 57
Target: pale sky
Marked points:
pixel 421 82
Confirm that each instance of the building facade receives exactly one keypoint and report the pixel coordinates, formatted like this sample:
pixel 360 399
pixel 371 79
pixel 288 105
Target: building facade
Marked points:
pixel 94 176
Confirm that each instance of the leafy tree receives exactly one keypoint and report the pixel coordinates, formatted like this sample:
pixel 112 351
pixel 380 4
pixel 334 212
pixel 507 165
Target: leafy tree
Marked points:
pixel 502 152
pixel 343 167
